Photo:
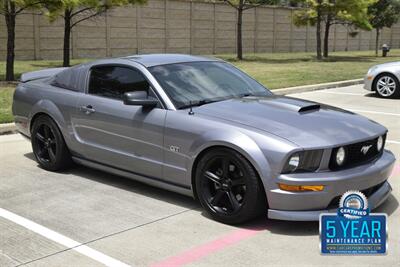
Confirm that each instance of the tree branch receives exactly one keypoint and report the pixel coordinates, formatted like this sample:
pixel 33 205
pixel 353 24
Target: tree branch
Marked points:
pixel 247 6
pixel 28 6
pixel 86 18
pixel 81 11
pixel 231 4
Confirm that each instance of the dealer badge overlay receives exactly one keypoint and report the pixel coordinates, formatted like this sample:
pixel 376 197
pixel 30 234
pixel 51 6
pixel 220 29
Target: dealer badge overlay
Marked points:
pixel 353 230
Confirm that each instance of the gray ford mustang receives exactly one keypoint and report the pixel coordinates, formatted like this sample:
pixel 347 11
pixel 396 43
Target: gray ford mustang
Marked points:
pixel 201 127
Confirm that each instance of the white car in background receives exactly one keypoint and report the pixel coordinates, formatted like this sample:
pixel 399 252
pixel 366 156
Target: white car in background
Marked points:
pixel 384 80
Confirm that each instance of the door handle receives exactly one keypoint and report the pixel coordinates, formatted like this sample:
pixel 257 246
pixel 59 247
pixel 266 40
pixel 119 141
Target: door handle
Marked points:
pixel 87 109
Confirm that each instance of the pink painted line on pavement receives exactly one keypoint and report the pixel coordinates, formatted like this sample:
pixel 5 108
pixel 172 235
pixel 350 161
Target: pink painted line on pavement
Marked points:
pixel 202 251
pixel 221 243
pixel 396 170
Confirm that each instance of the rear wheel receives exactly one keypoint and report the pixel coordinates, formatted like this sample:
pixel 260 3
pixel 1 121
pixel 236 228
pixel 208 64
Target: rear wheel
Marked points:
pixel 387 86
pixel 48 145
pixel 228 187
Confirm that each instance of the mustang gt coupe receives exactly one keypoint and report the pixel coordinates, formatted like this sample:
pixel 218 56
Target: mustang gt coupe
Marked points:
pixel 201 127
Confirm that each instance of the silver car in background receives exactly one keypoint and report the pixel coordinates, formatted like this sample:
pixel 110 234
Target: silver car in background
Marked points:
pixel 384 80
pixel 201 127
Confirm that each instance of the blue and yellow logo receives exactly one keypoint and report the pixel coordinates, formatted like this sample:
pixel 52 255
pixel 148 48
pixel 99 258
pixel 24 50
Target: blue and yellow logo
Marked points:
pixel 353 230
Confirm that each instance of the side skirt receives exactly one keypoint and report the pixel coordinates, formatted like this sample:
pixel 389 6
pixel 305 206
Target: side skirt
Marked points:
pixel 137 177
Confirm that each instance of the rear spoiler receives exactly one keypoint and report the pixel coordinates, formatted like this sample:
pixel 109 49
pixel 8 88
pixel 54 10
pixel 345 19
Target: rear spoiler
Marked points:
pixel 35 75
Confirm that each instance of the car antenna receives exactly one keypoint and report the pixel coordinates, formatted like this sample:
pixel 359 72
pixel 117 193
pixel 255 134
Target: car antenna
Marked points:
pixel 191 108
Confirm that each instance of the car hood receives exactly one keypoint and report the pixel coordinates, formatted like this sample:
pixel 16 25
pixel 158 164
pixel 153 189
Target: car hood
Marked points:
pixel 389 64
pixel 305 123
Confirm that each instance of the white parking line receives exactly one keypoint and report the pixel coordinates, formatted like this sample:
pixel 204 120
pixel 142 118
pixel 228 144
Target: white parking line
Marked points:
pixel 339 93
pixel 61 239
pixel 372 112
pixel 393 142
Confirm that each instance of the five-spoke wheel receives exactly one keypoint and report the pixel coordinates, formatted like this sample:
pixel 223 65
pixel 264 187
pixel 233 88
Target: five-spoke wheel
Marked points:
pixel 48 144
pixel 228 186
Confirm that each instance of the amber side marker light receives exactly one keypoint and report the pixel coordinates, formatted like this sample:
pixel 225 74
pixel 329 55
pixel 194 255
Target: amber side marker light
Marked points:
pixel 301 188
pixel 369 77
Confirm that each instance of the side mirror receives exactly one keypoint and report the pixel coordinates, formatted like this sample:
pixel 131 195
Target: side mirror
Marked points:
pixel 139 98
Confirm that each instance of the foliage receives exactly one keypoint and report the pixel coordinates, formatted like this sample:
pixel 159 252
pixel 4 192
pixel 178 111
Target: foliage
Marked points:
pixel 384 13
pixel 20 5
pixel 347 12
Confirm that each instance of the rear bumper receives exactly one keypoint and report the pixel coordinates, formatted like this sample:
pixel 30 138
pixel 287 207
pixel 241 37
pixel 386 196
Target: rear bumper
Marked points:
pixel 306 206
pixel 374 201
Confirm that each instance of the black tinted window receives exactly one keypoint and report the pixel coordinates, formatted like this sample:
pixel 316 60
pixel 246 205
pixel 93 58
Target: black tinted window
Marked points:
pixel 114 81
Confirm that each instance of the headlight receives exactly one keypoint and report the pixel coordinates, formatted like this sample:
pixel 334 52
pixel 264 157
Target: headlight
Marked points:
pixel 303 161
pixel 340 156
pixel 372 69
pixel 294 162
pixel 379 143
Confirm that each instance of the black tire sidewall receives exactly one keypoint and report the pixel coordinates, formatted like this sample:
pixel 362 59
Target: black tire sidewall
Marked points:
pixel 254 202
pixel 62 154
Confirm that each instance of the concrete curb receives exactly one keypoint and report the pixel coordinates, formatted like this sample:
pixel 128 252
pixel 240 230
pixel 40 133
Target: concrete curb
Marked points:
pixel 7 128
pixel 10 127
pixel 314 87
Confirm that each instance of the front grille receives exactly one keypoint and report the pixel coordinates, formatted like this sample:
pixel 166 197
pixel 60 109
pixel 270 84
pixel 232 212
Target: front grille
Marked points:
pixel 355 155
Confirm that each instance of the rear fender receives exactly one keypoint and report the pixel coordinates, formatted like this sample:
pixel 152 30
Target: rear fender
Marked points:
pixel 47 107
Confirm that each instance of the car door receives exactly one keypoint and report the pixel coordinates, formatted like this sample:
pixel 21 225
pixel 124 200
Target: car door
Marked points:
pixel 118 135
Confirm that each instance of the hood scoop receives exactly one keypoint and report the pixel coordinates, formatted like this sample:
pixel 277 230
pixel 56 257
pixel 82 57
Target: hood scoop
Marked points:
pixel 292 104
pixel 309 108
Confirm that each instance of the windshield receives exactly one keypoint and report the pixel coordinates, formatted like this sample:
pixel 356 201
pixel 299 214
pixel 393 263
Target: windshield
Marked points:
pixel 196 83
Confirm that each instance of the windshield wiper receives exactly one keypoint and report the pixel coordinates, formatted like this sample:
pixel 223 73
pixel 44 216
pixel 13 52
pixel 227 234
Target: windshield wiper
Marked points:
pixel 201 102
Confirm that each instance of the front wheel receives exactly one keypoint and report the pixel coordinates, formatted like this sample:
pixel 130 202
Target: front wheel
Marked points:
pixel 48 145
pixel 228 187
pixel 387 86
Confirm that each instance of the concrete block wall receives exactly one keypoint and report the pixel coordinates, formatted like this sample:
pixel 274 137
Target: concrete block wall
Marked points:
pixel 178 26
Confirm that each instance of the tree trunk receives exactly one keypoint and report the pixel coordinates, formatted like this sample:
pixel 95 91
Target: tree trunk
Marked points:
pixel 326 38
pixel 67 37
pixel 239 31
pixel 319 50
pixel 377 42
pixel 10 21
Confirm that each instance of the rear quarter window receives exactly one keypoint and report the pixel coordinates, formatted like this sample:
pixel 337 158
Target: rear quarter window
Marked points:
pixel 68 79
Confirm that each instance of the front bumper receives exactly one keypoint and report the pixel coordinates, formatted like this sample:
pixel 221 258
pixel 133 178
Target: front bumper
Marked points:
pixel 368 81
pixel 307 206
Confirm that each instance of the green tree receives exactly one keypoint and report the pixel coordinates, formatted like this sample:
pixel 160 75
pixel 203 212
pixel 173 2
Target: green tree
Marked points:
pixel 10 9
pixel 241 6
pixel 331 12
pixel 384 13
pixel 74 12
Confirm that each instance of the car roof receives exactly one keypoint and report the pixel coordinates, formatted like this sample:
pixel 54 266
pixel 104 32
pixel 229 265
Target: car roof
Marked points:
pixel 150 60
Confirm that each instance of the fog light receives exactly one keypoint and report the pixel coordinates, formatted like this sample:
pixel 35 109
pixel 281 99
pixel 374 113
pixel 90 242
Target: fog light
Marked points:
pixel 301 188
pixel 379 143
pixel 340 156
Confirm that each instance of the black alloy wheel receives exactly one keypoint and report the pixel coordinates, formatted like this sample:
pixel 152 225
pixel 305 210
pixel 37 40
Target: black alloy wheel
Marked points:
pixel 228 187
pixel 48 145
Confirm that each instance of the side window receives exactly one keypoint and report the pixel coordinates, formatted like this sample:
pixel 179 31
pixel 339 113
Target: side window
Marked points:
pixel 114 81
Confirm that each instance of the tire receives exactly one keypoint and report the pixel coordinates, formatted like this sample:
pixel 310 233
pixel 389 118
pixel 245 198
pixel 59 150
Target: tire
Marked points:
pixel 48 145
pixel 228 187
pixel 386 85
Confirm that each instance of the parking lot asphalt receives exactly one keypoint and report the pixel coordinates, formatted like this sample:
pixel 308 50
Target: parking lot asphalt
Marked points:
pixel 84 217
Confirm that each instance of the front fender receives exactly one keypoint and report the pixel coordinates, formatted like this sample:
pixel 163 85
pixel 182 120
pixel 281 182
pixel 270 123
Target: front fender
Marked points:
pixel 236 141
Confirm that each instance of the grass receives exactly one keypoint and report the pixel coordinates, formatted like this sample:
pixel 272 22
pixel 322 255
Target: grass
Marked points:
pixel 6 94
pixel 274 70
pixel 32 65
pixel 282 70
